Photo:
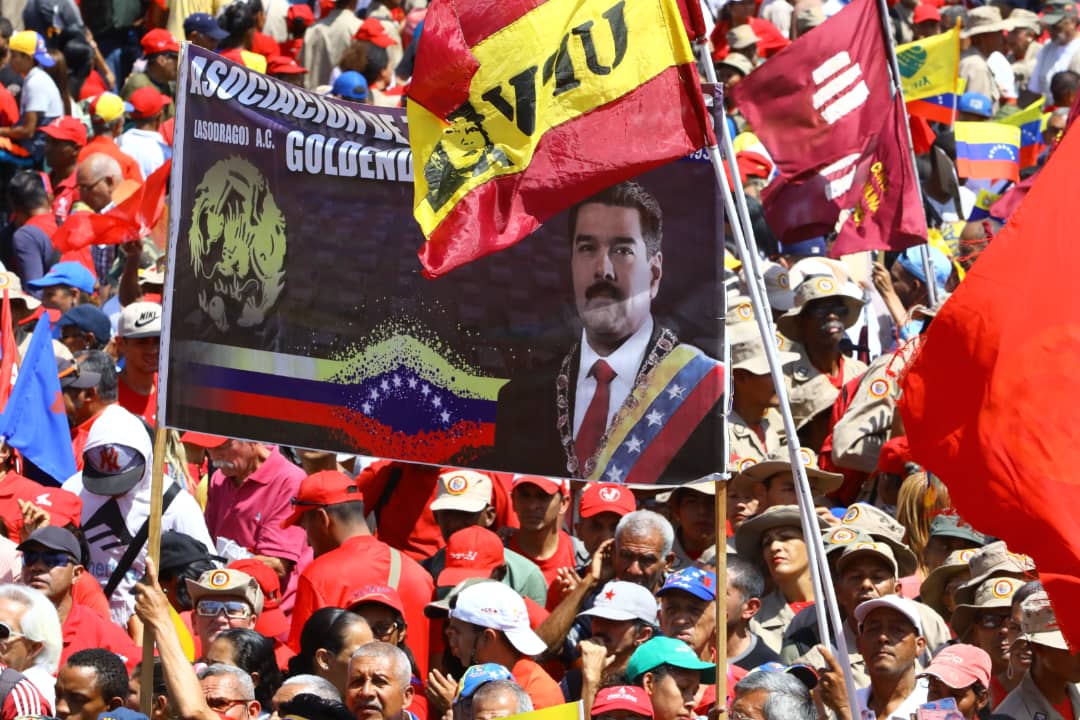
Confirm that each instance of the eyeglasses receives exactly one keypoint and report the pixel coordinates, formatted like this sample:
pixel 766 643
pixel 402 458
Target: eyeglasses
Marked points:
pixel 48 559
pixel 6 633
pixel 232 609
pixel 83 187
pixel 383 629
pixel 223 704
pixel 988 621
pixel 821 309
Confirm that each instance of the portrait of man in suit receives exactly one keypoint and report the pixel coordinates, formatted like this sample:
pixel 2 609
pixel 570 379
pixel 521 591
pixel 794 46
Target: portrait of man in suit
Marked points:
pixel 628 402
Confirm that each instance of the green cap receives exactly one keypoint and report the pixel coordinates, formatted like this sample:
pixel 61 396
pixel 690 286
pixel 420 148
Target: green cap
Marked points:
pixel 667 651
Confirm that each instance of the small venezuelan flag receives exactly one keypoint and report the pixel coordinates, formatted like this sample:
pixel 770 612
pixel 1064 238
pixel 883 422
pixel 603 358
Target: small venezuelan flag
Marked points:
pixel 936 108
pixel 988 150
pixel 1029 120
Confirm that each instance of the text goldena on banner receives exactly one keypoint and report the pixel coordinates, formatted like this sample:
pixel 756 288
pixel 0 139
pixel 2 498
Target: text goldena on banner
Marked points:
pixel 311 153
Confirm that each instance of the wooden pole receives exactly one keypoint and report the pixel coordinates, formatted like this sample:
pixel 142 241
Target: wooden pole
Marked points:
pixel 721 592
pixel 153 551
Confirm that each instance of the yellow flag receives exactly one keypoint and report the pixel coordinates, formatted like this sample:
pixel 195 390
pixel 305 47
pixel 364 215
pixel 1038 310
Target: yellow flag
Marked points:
pixel 569 711
pixel 930 67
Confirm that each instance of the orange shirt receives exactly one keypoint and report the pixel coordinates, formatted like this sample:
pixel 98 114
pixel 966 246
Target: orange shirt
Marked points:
pixel 542 690
pixel 105 144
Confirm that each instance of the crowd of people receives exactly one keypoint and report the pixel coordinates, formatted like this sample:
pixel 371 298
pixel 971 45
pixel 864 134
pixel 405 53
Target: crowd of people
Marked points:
pixel 295 583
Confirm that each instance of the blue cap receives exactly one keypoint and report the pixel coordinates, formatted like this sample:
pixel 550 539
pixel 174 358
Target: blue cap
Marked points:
pixel 478 675
pixel 89 319
pixel 806 674
pixel 911 260
pixel 699 583
pixel 976 104
pixel 350 85
pixel 205 24
pixel 72 274
pixel 121 713
pixel 814 246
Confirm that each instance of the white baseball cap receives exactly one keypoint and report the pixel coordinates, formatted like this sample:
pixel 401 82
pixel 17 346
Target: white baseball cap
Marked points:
pixel 464 490
pixel 894 602
pixel 140 320
pixel 620 601
pixel 499 607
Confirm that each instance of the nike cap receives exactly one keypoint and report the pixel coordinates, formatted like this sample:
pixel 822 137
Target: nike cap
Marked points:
pixel 140 320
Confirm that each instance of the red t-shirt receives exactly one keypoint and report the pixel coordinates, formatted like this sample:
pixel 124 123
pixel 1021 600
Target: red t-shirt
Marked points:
pixel 79 436
pixel 332 578
pixel 15 487
pixel 83 630
pixel 87 592
pixel 541 689
pixel 264 44
pixel 1065 708
pixel 9 108
pixel 562 557
pixel 290 48
pixel 105 144
pixel 145 406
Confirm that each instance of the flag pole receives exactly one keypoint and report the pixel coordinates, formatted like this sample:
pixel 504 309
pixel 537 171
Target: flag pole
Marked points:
pixel 721 582
pixel 825 605
pixel 153 552
pixel 894 76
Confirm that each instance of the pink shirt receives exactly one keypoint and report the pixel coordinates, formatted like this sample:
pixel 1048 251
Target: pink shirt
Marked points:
pixel 251 514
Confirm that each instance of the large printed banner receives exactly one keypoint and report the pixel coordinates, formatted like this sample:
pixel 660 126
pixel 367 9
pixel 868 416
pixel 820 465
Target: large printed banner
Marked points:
pixel 297 312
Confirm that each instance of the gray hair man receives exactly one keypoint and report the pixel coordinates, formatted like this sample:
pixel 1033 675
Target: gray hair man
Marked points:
pixel 35 640
pixel 640 553
pixel 230 692
pixel 304 685
pixel 499 699
pixel 765 695
pixel 378 686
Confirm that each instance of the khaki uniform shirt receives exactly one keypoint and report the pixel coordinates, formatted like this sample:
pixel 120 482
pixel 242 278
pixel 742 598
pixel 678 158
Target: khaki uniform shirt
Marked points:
pixel 810 389
pixel 980 79
pixel 743 441
pixel 324 44
pixel 866 424
pixel 1024 67
pixel 772 620
pixel 1026 702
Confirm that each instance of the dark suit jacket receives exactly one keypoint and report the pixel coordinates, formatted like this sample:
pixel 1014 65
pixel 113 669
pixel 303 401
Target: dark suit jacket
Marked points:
pixel 527 438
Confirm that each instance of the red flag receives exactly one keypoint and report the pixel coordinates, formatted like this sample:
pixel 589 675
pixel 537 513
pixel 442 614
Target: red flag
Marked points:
pixel 888 213
pixel 990 403
pixel 820 107
pixel 131 219
pixel 9 353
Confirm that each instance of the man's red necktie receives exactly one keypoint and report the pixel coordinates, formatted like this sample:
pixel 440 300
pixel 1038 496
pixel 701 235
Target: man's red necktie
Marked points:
pixel 595 421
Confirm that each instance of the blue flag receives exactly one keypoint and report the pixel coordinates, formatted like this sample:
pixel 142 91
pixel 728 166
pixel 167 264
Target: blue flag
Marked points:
pixel 34 421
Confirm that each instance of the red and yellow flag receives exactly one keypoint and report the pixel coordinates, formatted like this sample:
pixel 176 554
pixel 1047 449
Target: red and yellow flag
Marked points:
pixel 520 108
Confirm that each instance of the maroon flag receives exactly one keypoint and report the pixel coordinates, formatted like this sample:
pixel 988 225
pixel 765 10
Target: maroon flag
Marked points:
pixel 821 107
pixel 888 212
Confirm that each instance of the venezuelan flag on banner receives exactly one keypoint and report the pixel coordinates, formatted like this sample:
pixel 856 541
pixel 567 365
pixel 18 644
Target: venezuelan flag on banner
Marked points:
pixel 1029 120
pixel 521 108
pixel 988 150
pixel 929 67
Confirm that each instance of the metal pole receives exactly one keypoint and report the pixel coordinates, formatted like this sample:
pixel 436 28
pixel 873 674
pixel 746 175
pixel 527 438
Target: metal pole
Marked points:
pixel 894 67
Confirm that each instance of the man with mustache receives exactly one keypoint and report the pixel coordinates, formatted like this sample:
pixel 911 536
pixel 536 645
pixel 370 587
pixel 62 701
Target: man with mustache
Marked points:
pixel 823 311
pixel 623 617
pixel 628 402
pixel 379 686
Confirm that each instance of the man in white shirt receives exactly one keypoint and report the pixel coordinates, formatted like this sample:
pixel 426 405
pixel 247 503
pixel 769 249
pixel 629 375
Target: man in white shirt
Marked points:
pixel 590 417
pixel 1060 18
pixel 39 100
pixel 143 142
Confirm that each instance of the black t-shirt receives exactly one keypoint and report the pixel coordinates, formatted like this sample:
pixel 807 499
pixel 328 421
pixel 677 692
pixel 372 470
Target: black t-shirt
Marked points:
pixel 757 654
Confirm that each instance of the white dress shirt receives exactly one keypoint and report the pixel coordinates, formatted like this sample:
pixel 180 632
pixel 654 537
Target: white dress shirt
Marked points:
pixel 906 709
pixel 625 361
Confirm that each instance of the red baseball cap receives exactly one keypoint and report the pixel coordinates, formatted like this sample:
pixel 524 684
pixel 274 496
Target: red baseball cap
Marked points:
pixel 547 484
pixel 471 552
pixel 159 41
pixel 622 697
pixel 373 31
pixel 382 594
pixel 146 102
pixel 283 64
pixel 204 440
pixel 327 487
pixel 67 128
pixel 271 621
pixel 606 497
pixel 300 12
pixel 925 12
pixel 960 666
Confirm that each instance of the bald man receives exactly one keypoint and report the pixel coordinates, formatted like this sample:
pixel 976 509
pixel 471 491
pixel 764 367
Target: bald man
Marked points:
pixel 97 177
